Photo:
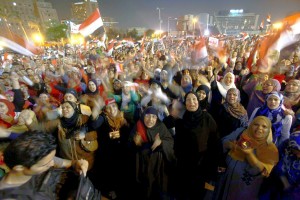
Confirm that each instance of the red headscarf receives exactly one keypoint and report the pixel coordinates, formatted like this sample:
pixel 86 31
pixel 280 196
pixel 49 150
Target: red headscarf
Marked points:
pixel 8 123
pixel 10 106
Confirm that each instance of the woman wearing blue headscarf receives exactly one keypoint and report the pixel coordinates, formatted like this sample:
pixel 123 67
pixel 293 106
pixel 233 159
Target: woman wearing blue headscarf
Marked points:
pixel 284 182
pixel 281 123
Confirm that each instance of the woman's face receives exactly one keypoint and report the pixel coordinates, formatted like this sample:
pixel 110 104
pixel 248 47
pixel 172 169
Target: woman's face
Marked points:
pixel 292 87
pixel 111 74
pixel 232 97
pixel 44 98
pixel 10 97
pixel 273 102
pixel 185 81
pixel 112 110
pixel 36 79
pixel 201 94
pixel 70 97
pixel 259 129
pixel 3 108
pixel 145 76
pixel 126 90
pixel 267 86
pixel 228 80
pixel 92 86
pixel 191 103
pixel 67 110
pixel 150 120
pixel 117 85
pixel 163 76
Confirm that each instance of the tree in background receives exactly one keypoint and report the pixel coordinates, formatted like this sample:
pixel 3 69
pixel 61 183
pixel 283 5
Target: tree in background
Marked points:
pixel 57 32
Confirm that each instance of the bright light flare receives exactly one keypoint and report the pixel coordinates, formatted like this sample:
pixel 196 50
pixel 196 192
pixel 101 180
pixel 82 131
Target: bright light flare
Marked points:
pixel 77 39
pixel 278 25
pixel 157 32
pixel 38 38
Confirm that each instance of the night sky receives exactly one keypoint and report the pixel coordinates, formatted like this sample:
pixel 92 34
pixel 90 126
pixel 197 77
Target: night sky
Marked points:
pixel 143 13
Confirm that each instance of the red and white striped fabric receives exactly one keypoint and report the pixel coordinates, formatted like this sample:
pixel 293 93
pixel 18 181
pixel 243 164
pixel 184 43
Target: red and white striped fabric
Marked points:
pixel 18 44
pixel 201 50
pixel 92 23
pixel 272 45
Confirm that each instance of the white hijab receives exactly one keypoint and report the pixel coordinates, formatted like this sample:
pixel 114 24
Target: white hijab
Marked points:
pixel 223 88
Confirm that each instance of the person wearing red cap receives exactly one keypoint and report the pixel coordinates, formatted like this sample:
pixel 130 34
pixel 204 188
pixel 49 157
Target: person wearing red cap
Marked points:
pixel 7 113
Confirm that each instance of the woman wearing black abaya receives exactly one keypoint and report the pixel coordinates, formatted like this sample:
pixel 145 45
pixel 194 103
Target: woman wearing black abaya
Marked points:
pixel 196 148
pixel 155 155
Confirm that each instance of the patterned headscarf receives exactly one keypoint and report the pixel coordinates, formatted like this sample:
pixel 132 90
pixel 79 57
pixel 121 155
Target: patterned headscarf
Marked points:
pixel 294 141
pixel 275 115
pixel 237 110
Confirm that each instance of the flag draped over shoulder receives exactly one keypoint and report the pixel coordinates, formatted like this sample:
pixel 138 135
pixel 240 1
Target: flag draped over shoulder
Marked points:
pixel 18 44
pixel 92 23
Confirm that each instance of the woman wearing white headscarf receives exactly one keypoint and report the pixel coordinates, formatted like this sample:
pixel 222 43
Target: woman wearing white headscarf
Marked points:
pixel 219 91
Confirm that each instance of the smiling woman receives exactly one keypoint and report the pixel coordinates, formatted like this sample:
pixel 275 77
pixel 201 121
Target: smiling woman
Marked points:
pixel 251 157
pixel 281 122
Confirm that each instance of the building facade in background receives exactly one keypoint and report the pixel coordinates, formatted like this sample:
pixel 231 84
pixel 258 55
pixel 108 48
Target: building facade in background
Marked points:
pixel 47 14
pixel 25 17
pixel 80 11
pixel 232 22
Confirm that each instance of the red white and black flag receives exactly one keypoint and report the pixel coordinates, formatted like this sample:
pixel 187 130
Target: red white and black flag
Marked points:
pixel 18 44
pixel 91 24
pixel 272 44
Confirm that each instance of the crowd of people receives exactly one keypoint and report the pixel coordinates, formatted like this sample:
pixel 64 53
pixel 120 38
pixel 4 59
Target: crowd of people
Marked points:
pixel 152 121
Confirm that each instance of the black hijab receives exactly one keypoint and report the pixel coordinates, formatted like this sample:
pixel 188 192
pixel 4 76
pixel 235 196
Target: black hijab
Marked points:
pixel 88 91
pixel 204 102
pixel 70 123
pixel 192 119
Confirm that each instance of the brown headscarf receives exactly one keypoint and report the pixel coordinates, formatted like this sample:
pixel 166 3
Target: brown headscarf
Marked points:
pixel 236 110
pixel 117 122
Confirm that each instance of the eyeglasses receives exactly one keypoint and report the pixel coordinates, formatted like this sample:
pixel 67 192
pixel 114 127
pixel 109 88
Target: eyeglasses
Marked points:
pixel 266 84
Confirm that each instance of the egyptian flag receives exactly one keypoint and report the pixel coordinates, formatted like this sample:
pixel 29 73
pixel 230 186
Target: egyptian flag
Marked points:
pixel 272 45
pixel 244 35
pixel 252 57
pixel 91 24
pixel 18 44
pixel 200 50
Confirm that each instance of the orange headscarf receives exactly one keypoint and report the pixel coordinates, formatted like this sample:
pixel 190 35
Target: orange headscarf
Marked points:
pixel 265 150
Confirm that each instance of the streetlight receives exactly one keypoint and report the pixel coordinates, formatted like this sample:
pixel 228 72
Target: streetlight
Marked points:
pixel 194 22
pixel 38 38
pixel 170 18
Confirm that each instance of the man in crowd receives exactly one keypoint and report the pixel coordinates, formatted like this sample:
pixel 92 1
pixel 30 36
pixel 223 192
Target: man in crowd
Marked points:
pixel 31 158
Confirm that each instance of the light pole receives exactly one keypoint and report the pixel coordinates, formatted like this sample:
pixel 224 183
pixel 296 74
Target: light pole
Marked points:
pixel 159 17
